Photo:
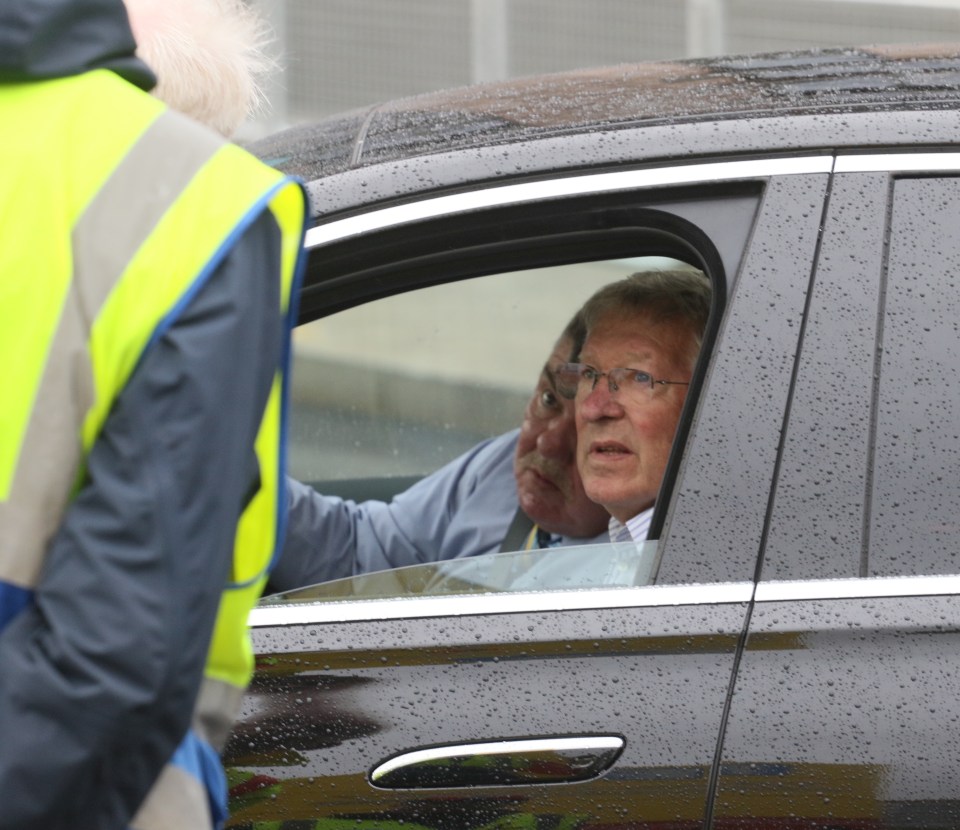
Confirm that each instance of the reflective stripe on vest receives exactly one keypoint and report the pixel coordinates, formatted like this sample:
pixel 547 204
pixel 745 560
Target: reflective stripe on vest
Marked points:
pixel 123 228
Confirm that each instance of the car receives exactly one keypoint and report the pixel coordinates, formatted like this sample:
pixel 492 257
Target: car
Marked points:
pixel 790 657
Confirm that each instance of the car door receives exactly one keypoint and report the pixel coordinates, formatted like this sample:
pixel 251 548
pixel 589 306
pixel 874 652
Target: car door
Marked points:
pixel 845 713
pixel 548 708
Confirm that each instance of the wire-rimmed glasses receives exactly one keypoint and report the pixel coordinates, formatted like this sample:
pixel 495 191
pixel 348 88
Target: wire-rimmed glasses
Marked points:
pixel 577 380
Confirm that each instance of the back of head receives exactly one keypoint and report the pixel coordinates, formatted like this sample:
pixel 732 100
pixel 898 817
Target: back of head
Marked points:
pixel 208 56
pixel 680 296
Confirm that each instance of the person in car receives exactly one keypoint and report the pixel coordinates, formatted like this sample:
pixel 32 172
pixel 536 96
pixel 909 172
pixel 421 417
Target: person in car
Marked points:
pixel 518 490
pixel 643 336
pixel 651 322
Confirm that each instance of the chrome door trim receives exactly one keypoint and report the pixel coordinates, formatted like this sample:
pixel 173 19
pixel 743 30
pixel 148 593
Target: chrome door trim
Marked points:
pixel 898 163
pixel 872 587
pixel 651 596
pixel 511 194
pixel 355 610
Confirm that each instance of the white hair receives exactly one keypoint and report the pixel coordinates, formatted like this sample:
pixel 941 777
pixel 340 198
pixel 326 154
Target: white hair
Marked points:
pixel 209 57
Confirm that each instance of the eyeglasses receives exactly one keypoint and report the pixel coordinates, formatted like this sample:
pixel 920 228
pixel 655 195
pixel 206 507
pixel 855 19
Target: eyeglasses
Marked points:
pixel 580 379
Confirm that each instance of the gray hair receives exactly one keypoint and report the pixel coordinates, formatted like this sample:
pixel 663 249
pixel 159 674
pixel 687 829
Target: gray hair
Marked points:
pixel 576 332
pixel 209 57
pixel 680 295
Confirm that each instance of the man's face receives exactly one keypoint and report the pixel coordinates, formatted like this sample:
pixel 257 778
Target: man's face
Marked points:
pixel 624 440
pixel 545 467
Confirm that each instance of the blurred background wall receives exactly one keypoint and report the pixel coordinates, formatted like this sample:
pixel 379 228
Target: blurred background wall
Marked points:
pixel 339 55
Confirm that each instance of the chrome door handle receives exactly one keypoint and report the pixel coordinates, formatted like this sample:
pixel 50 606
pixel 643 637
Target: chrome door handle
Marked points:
pixel 500 763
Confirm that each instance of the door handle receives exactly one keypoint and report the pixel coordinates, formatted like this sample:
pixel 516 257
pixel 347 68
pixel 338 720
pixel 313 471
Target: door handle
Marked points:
pixel 500 763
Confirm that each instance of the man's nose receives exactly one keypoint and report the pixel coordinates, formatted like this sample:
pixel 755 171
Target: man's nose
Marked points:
pixel 599 403
pixel 559 439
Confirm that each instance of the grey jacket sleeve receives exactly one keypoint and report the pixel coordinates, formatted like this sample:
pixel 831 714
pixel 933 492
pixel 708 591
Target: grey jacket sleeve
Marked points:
pixel 462 509
pixel 99 675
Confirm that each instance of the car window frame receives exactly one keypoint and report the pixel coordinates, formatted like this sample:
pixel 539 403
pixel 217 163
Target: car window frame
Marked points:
pixel 326 284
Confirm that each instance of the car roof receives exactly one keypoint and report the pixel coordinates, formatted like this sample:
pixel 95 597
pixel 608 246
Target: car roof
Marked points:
pixel 780 101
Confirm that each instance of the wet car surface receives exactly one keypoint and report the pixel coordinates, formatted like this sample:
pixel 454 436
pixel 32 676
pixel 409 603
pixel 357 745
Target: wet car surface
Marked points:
pixel 790 658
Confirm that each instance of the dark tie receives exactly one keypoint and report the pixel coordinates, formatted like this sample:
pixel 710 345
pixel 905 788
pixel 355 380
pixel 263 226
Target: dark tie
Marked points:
pixel 546 540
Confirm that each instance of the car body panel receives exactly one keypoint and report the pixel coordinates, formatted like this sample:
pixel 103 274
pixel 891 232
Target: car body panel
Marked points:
pixel 526 111
pixel 362 683
pixel 849 682
pixel 867 489
pixel 719 510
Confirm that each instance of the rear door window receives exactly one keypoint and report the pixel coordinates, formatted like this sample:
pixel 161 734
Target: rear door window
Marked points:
pixel 868 482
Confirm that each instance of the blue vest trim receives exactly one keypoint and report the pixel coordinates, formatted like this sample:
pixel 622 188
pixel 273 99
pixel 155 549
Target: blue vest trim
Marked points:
pixel 201 760
pixel 13 599
pixel 256 210
pixel 293 314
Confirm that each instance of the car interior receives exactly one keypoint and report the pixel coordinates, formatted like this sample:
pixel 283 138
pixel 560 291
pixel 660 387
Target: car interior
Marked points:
pixel 388 391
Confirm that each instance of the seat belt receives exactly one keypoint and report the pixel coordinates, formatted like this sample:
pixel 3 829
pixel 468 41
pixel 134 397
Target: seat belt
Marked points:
pixel 518 532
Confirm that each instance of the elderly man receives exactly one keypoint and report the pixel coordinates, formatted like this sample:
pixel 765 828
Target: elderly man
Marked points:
pixel 642 341
pixel 469 507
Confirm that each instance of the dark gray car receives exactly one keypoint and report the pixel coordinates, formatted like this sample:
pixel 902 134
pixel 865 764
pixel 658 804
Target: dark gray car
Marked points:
pixel 791 659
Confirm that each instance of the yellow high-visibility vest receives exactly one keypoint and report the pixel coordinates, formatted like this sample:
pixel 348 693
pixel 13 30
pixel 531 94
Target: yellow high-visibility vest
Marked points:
pixel 117 229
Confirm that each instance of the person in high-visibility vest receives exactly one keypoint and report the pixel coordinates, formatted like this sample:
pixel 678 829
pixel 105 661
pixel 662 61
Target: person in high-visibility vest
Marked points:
pixel 148 272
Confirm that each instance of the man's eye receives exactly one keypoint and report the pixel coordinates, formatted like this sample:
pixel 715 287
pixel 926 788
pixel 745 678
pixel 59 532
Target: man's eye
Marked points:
pixel 590 374
pixel 548 399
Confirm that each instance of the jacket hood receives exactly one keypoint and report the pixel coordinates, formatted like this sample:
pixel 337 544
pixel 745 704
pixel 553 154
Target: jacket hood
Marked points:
pixel 43 39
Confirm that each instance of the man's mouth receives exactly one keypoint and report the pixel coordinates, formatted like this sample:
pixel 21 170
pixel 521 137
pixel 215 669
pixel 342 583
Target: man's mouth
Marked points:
pixel 608 449
pixel 544 473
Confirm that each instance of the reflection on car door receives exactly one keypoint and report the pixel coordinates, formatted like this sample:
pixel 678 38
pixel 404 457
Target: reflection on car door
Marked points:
pixel 333 701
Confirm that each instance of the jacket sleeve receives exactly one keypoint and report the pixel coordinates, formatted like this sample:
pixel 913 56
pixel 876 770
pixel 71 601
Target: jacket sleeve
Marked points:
pixel 462 509
pixel 100 674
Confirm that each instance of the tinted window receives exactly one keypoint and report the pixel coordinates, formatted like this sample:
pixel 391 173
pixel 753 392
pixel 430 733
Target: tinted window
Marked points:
pixel 868 482
pixel 915 475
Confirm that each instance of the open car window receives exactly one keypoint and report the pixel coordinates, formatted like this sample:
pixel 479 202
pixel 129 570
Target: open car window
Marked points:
pixel 390 390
